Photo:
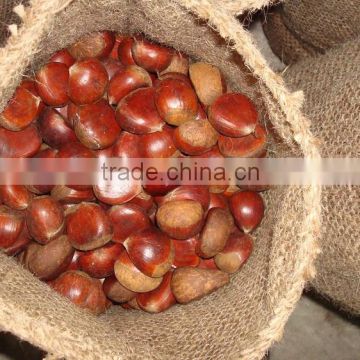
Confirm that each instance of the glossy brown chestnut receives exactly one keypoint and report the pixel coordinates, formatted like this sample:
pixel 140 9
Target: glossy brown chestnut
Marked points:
pixel 62 56
pixel 16 197
pixel 174 76
pixel 99 263
pixel 179 64
pixel 48 261
pixel 131 277
pixel 218 201
pixel 52 83
pixel 116 292
pixel 127 219
pixel 66 195
pixel 127 146
pixel 151 251
pixel 233 115
pixel 150 56
pixel 217 229
pixel 176 101
pixel 95 125
pixel 114 52
pixel 127 80
pixel 208 82
pixel 247 208
pixel 195 137
pixel 21 110
pixel 188 284
pixel 112 67
pixel 159 144
pixel 11 226
pixel 144 200
pixel 181 219
pixel 54 130
pixel 236 252
pixel 88 81
pixel 82 290
pixel 137 113
pixel 88 226
pixel 93 45
pixel 45 219
pixel 185 254
pixel 158 300
pixel 253 145
pixel 159 187
pixel 125 52
pixel 20 244
pixel 74 265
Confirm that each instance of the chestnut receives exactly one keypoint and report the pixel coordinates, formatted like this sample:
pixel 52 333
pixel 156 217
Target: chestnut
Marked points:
pixel 253 145
pixel 66 195
pixel 151 251
pixel 158 144
pixel 247 208
pixel 16 197
pixel 158 300
pixel 176 101
pixel 208 82
pixel 127 146
pixel 48 261
pixel 88 226
pixel 207 264
pixel 125 52
pixel 114 52
pixel 21 110
pixel 54 130
pixel 74 265
pixel 159 187
pixel 52 83
pixel 82 290
pixel 45 219
pixel 179 64
pixel 144 200
pixel 195 137
pixel 255 187
pixel 218 201
pixel 112 67
pixel 99 263
pixel 217 229
pixel 11 226
pixel 131 277
pixel 88 81
pixel 95 125
pixel 174 76
pixel 201 114
pixel 127 80
pixel 236 252
pixel 181 219
pixel 185 254
pixel 116 292
pixel 127 219
pixel 20 244
pixel 62 56
pixel 233 115
pixel 137 112
pixel 188 283
pixel 152 57
pixel 93 45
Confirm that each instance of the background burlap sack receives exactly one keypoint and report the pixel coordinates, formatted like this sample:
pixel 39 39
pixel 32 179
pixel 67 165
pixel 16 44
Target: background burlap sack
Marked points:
pixel 241 320
pixel 331 84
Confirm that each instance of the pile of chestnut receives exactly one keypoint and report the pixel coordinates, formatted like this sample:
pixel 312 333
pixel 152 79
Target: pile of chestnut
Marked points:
pixel 143 246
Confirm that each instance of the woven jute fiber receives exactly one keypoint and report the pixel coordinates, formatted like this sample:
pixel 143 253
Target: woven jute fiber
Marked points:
pixel 323 24
pixel 331 84
pixel 282 42
pixel 241 320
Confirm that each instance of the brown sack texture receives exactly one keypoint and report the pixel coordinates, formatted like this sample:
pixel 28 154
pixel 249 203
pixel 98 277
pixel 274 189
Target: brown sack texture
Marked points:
pixel 239 321
pixel 331 84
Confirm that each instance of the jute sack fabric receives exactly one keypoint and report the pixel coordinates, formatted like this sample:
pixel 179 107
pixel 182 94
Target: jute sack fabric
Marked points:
pixel 241 320
pixel 331 84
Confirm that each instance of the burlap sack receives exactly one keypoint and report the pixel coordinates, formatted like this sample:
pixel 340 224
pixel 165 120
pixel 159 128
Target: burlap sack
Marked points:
pixel 241 320
pixel 332 89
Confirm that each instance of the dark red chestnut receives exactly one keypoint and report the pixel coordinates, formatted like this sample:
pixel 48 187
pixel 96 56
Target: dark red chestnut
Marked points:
pixel 218 201
pixel 176 101
pixel 116 292
pixel 207 264
pixel 181 219
pixel 20 244
pixel 112 66
pixel 247 208
pixel 127 146
pixel 144 200
pixel 99 263
pixel 45 219
pixel 95 125
pixel 93 45
pixel 159 144
pixel 127 80
pixel 88 81
pixel 236 252
pixel 151 251
pixel 174 76
pixel 158 300
pixel 11 226
pixel 185 254
pixel 137 112
pixel 88 226
pixel 127 219
pixel 125 52
pixel 253 145
pixel 114 52
pixel 150 56
pixel 66 195
pixel 233 115
pixel 74 261
pixel 52 83
pixel 62 56
pixel 16 197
